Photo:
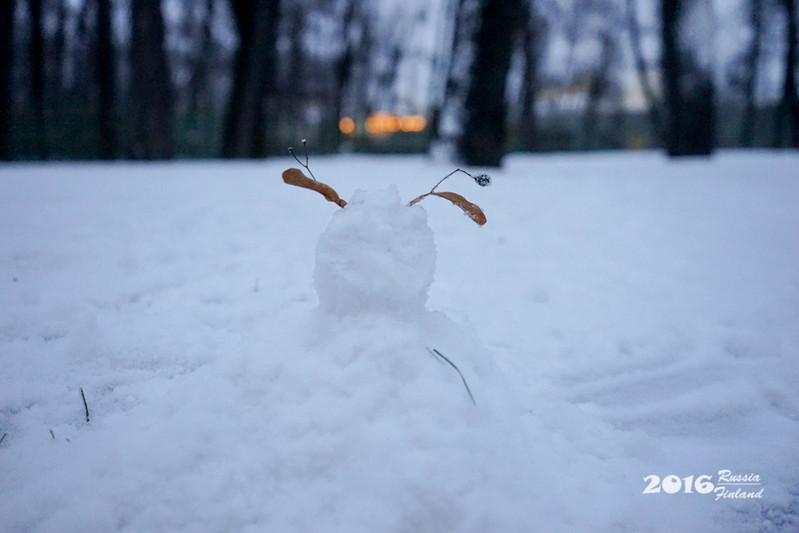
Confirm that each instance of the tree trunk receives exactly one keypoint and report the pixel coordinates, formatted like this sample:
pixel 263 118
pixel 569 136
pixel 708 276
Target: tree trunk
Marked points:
pixel 751 66
pixel 37 63
pixel 653 103
pixel 482 142
pixel 447 112
pixel 688 79
pixel 532 37
pixel 788 114
pixel 253 77
pixel 446 39
pixel 151 88
pixel 343 68
pixel 106 82
pixel 200 109
pixel 200 65
pixel 6 69
pixel 598 87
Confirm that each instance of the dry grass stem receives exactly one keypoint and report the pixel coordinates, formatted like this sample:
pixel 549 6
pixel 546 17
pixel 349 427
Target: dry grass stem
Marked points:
pixel 85 405
pixel 458 370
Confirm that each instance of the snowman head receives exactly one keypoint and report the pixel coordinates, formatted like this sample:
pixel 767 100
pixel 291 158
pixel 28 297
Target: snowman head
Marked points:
pixel 376 256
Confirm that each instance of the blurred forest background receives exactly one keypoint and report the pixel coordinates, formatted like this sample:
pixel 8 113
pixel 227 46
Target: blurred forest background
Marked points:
pixel 161 79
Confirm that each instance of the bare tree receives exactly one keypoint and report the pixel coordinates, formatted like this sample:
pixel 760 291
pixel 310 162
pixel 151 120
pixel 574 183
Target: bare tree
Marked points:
pixel 787 124
pixel 106 82
pixel 38 80
pixel 201 62
pixel 6 68
pixel 355 37
pixel 151 86
pixel 253 77
pixel 533 36
pixel 55 58
pixel 79 54
pixel 482 142
pixel 642 68
pixel 688 79
pixel 453 72
pixel 599 88
pixel 200 136
pixel 750 72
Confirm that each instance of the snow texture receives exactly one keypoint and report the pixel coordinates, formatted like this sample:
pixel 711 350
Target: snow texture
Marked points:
pixel 377 255
pixel 257 359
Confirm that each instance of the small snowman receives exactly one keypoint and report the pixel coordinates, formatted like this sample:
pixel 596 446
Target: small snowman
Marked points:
pixel 375 263
pixel 409 401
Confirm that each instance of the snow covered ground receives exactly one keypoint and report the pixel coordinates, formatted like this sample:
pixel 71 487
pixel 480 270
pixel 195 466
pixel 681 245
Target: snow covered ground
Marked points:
pixel 619 316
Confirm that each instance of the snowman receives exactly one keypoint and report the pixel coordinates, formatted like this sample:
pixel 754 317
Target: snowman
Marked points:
pixel 375 263
pixel 419 414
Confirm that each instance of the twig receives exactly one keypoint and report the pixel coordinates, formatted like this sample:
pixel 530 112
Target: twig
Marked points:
pixel 305 149
pixel 448 175
pixel 3 438
pixel 85 405
pixel 482 180
pixel 441 355
pixel 52 434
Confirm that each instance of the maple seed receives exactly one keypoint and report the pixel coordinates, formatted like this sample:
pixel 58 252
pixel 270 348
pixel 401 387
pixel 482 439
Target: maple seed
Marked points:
pixel 294 176
pixel 471 210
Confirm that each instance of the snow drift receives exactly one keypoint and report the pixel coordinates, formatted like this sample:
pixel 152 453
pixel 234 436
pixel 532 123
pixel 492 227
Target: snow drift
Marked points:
pixel 257 359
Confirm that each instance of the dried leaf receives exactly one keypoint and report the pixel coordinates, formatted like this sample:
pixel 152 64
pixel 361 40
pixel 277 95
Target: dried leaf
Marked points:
pixel 471 210
pixel 294 176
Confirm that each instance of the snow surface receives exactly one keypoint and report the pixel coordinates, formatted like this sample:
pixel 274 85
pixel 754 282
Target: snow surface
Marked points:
pixel 255 358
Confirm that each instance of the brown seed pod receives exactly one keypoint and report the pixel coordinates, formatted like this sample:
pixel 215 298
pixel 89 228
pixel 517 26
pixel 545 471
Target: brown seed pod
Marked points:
pixel 294 176
pixel 471 210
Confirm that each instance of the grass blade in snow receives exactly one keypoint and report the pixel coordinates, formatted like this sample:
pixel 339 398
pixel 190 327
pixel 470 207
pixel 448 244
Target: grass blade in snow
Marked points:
pixel 441 355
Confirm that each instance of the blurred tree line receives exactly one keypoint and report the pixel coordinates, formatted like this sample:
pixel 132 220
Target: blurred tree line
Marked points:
pixel 158 79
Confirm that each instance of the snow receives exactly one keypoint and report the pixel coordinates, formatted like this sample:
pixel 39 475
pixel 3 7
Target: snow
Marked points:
pixel 255 358
pixel 376 255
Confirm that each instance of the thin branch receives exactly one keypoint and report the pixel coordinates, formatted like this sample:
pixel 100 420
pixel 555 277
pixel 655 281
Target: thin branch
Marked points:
pixel 441 355
pixel 482 180
pixel 3 438
pixel 445 177
pixel 305 149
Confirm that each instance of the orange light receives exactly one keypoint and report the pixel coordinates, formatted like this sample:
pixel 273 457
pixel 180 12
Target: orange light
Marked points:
pixel 346 125
pixel 379 123
pixel 413 123
pixel 386 123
